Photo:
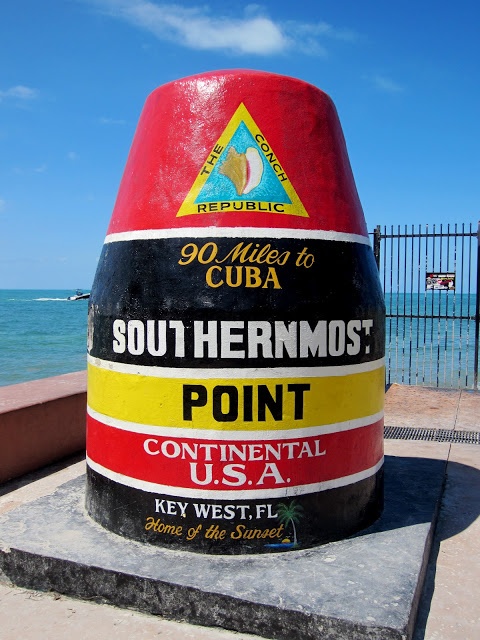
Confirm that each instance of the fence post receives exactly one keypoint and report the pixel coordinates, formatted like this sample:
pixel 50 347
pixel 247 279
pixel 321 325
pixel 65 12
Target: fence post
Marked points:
pixel 377 236
pixel 477 313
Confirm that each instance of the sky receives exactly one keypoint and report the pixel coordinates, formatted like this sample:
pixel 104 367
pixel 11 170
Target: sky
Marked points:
pixel 74 75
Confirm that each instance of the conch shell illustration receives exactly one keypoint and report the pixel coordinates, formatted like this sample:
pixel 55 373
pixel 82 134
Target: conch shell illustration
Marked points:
pixel 245 170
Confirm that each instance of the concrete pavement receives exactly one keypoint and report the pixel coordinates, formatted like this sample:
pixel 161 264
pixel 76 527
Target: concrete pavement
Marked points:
pixel 449 606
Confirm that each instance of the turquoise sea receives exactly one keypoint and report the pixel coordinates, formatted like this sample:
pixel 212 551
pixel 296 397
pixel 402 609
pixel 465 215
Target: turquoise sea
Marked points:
pixel 430 338
pixel 42 334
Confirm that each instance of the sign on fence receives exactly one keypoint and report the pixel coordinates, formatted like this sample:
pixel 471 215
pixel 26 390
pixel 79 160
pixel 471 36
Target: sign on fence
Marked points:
pixel 440 281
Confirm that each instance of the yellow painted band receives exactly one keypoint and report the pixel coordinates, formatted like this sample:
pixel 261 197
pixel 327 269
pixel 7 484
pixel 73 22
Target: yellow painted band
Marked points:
pixel 160 401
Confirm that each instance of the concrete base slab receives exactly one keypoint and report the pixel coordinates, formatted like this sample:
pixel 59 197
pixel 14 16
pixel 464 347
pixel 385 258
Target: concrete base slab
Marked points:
pixel 365 587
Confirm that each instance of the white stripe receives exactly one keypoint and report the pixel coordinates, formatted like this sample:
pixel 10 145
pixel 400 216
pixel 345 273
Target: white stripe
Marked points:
pixel 223 434
pixel 237 232
pixel 228 373
pixel 243 494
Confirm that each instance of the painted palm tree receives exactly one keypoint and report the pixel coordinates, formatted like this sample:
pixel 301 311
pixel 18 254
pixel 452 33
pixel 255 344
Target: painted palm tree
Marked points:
pixel 290 514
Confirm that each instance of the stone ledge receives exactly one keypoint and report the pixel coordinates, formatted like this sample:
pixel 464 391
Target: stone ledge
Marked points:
pixel 41 422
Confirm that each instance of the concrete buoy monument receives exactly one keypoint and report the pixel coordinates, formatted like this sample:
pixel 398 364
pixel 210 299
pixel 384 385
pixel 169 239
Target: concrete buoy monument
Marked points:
pixel 236 327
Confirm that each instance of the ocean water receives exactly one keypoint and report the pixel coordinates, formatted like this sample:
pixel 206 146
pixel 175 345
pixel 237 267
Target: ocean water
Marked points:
pixel 430 338
pixel 42 334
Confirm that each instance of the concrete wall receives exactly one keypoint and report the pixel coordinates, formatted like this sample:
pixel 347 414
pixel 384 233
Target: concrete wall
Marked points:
pixel 41 422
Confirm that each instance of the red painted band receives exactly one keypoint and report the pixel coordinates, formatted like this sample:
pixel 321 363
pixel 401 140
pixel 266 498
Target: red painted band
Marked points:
pixel 234 465
pixel 177 137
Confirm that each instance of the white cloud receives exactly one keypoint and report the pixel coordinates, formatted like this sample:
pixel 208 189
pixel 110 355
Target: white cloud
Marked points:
pixel 305 36
pixel 19 92
pixel 72 155
pixel 26 171
pixel 111 121
pixel 196 28
pixel 382 83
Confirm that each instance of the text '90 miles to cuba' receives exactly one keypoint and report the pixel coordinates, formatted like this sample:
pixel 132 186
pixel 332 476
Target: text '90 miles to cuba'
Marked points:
pixel 234 268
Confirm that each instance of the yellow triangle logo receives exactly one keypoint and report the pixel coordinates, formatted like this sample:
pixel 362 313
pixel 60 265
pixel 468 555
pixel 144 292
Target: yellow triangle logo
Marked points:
pixel 242 174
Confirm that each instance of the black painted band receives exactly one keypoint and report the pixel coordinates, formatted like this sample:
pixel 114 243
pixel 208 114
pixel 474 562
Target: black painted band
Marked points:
pixel 301 522
pixel 319 287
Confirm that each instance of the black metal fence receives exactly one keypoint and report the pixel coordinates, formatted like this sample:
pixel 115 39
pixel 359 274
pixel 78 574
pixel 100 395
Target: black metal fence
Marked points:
pixel 431 280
